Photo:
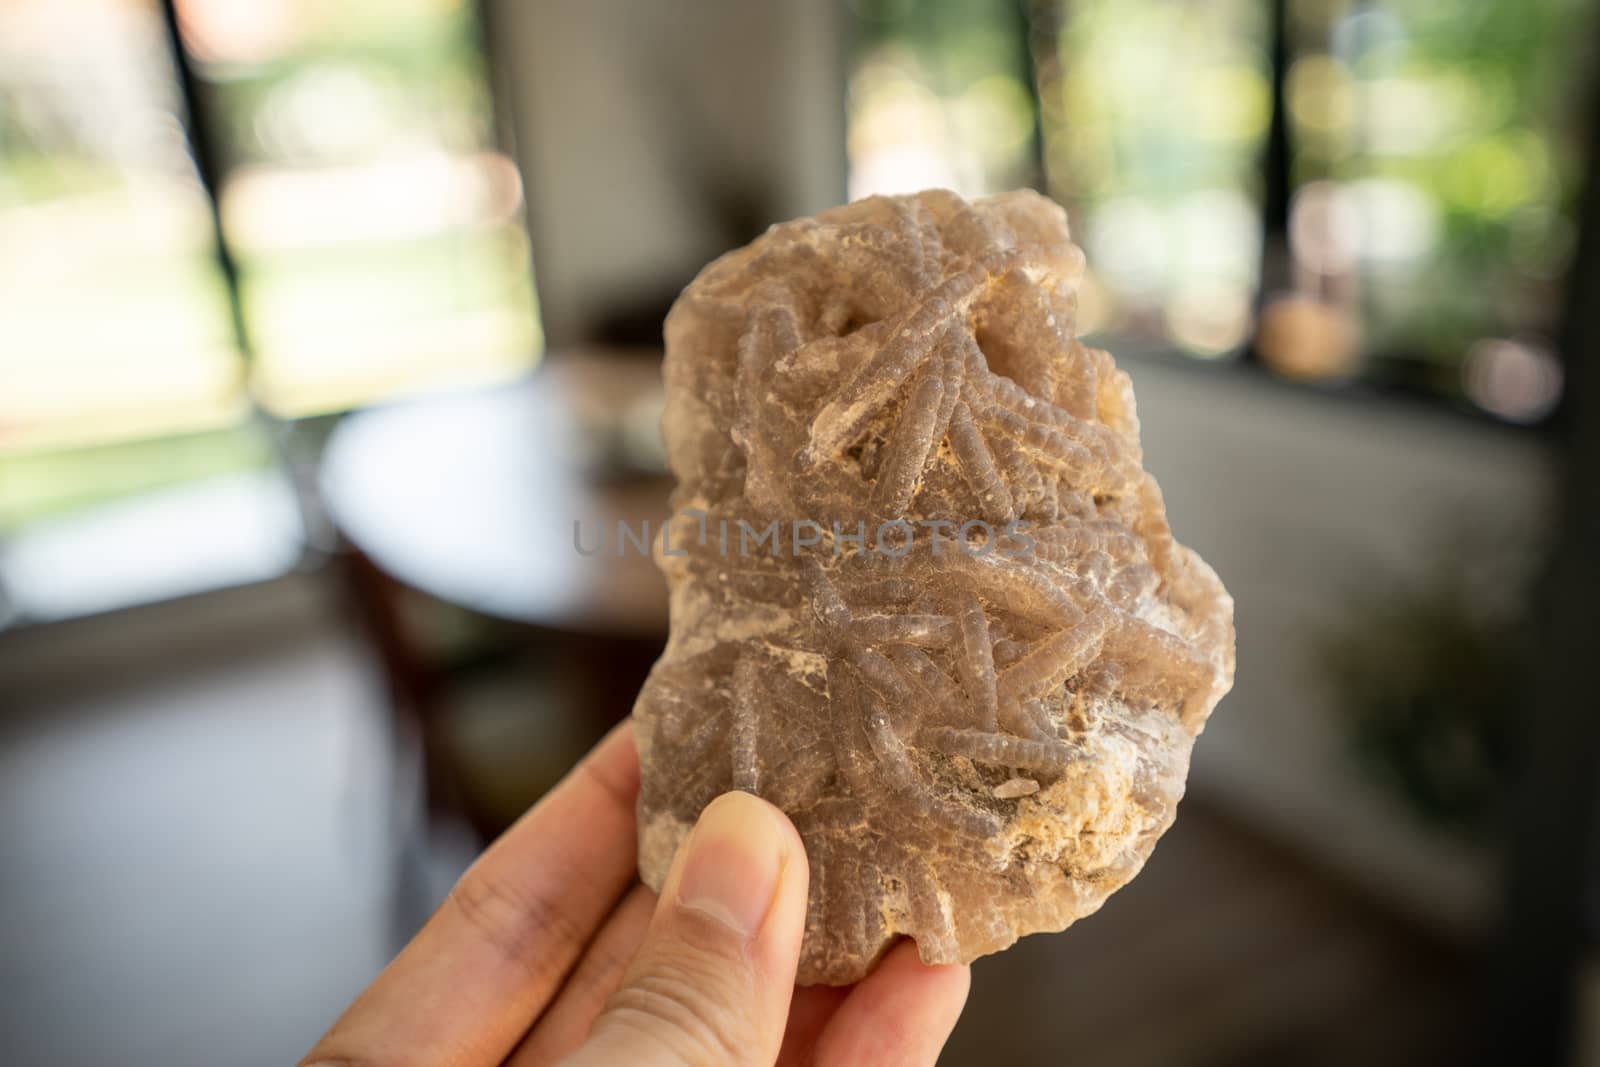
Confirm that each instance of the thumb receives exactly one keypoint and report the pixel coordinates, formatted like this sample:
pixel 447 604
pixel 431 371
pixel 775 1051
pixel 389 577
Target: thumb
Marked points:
pixel 711 984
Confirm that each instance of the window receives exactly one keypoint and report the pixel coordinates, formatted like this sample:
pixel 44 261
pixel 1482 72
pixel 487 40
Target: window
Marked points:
pixel 1434 170
pixel 940 96
pixel 113 315
pixel 374 223
pixel 1155 124
pixel 377 228
pixel 1429 169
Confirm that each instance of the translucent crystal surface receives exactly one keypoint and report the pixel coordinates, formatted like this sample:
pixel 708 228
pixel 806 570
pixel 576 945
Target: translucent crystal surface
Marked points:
pixel 924 596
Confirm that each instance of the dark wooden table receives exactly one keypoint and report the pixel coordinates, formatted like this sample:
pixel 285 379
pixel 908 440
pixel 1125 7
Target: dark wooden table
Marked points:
pixel 470 498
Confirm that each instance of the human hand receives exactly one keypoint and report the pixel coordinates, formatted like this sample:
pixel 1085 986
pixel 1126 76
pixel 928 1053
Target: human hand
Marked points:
pixel 544 954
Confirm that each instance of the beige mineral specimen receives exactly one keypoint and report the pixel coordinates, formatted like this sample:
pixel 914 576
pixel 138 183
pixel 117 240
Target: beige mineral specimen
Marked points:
pixel 924 596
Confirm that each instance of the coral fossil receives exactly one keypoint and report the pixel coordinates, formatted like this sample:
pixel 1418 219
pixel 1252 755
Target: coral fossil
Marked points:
pixel 980 721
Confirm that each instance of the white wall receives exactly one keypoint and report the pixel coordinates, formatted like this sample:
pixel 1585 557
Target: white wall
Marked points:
pixel 617 104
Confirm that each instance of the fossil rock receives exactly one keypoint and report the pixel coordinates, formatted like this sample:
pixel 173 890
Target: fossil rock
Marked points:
pixel 924 596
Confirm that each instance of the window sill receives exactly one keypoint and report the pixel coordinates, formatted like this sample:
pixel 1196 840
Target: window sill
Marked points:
pixel 216 533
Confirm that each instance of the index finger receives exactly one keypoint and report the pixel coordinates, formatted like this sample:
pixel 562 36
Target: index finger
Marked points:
pixel 478 973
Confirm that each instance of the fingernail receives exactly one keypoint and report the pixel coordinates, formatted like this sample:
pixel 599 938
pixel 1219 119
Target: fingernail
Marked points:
pixel 733 864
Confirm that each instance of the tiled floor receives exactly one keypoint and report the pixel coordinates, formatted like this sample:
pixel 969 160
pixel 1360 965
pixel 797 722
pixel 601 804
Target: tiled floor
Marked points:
pixel 196 870
pixel 1222 952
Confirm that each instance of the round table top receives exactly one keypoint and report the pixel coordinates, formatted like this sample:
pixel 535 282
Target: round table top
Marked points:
pixel 472 496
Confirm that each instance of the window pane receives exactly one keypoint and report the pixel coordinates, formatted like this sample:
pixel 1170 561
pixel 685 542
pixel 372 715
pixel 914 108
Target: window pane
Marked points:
pixel 113 321
pixel 378 230
pixel 1434 165
pixel 1154 120
pixel 940 98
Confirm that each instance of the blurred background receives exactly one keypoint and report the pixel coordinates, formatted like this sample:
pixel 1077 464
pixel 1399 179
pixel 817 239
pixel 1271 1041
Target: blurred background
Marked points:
pixel 321 322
